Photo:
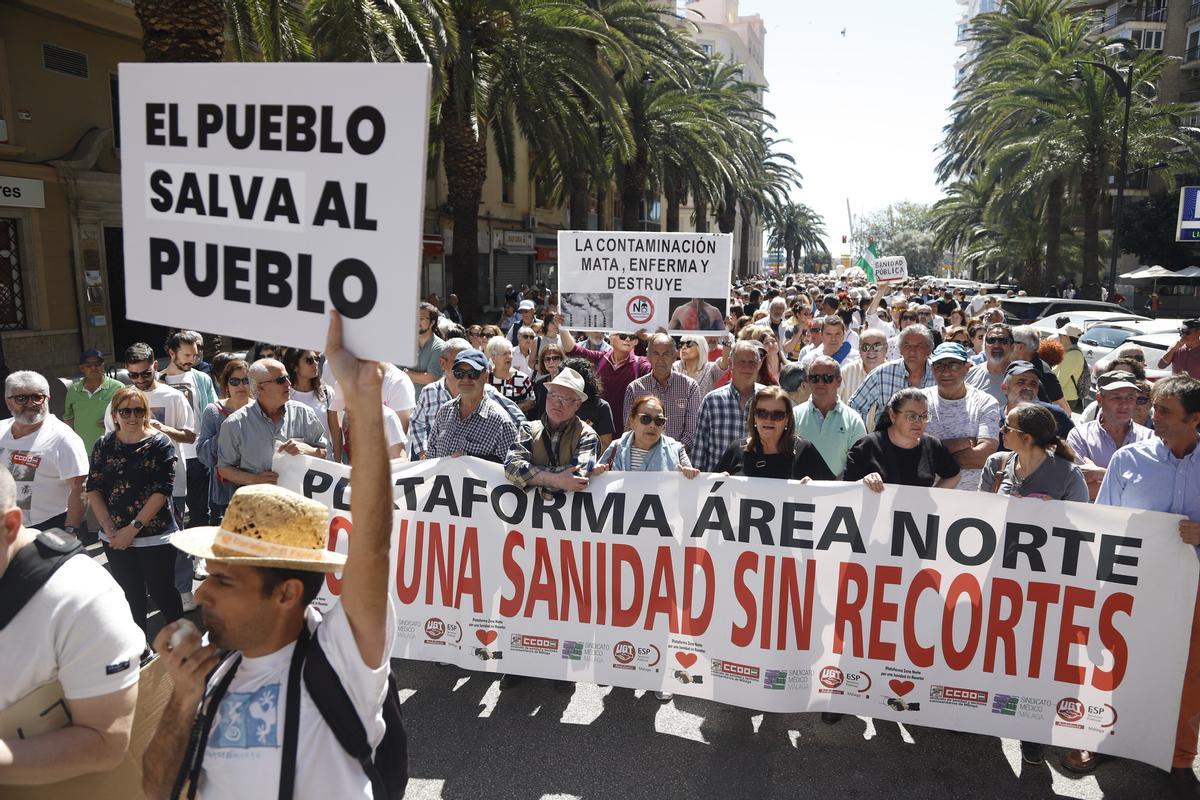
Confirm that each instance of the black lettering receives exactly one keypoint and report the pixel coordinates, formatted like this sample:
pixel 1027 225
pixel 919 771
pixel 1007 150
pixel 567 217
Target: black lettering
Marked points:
pixel 1031 549
pixel 154 124
pixel 548 507
pixel 235 273
pixel 760 521
pixel 328 144
pixel 190 196
pixel 903 525
pixel 215 209
pixel 270 125
pixel 343 271
pixel 316 483
pixel 610 519
pixel 442 495
pixel 271 272
pixel 201 287
pixel 164 260
pixel 792 523
pixel 340 501
pixel 954 541
pixel 713 517
pixel 239 140
pixel 304 298
pixel 208 122
pixel 245 203
pixel 282 203
pixel 300 135
pixel 1071 541
pixel 361 221
pixel 650 514
pixel 365 146
pixel 175 138
pixel 160 179
pixel 331 206
pixel 842 518
pixel 473 491
pixel 1109 558
pixel 408 490
pixel 518 494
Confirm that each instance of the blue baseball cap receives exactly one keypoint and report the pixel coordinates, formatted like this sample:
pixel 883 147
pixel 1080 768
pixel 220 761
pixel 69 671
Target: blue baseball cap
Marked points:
pixel 952 350
pixel 473 357
pixel 93 353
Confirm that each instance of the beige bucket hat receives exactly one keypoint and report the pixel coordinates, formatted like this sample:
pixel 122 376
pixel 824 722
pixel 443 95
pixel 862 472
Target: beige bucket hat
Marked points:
pixel 266 526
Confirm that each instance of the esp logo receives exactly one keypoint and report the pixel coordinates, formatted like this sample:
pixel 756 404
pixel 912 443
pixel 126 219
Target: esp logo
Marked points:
pixel 832 677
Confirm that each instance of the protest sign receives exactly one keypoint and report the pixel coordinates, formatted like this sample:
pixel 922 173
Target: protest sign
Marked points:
pixel 256 197
pixel 620 281
pixel 891 268
pixel 1040 620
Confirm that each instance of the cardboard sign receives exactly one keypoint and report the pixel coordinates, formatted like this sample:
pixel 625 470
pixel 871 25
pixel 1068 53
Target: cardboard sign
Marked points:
pixel 621 281
pixel 257 197
pixel 891 268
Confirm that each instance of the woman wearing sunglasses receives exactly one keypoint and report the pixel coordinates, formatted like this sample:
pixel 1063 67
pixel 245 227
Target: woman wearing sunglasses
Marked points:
pixel 131 479
pixel 233 385
pixel 901 453
pixel 304 371
pixel 693 362
pixel 549 362
pixel 644 447
pixel 772 449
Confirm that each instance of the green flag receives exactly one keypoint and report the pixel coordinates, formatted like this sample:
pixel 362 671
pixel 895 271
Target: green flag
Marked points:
pixel 867 261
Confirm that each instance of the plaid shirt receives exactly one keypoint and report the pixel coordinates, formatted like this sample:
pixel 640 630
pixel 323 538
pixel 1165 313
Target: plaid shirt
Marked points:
pixel 883 382
pixel 487 433
pixel 433 397
pixel 680 400
pixel 722 420
pixel 519 466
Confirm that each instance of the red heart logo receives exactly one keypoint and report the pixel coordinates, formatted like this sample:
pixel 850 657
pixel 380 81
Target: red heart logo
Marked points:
pixel 686 659
pixel 901 688
pixel 486 637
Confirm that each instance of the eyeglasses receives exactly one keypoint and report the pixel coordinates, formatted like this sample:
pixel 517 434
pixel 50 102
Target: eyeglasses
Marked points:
pixel 907 318
pixel 146 373
pixel 24 399
pixel 467 374
pixel 913 417
pixel 625 337
pixel 657 422
pixel 238 381
pixel 310 360
pixel 282 380
pixel 871 348
pixel 563 399
pixel 998 340
pixel 770 414
pixel 552 358
pixel 826 378
pixel 127 412
pixel 949 363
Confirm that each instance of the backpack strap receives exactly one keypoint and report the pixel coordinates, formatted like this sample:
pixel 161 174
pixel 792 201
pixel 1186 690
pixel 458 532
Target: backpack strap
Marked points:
pixel 999 474
pixel 291 719
pixel 193 759
pixel 337 709
pixel 31 567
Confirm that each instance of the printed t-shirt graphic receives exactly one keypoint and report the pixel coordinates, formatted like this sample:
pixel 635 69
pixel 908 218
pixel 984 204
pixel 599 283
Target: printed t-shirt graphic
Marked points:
pixel 41 464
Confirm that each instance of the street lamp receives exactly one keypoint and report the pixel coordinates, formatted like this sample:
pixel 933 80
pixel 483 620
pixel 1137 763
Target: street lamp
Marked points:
pixel 1124 86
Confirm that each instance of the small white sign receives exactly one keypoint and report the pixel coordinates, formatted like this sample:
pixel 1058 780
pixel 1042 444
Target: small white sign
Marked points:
pixel 257 197
pixel 22 192
pixel 1188 229
pixel 619 281
pixel 890 268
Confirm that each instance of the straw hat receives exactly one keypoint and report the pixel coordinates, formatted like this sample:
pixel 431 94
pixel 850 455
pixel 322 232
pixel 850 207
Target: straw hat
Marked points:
pixel 266 526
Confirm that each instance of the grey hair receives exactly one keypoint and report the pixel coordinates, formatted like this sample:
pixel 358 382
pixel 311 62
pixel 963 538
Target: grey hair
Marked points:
pixel 825 361
pixel 1027 335
pixel 260 371
pixel 8 491
pixel 701 345
pixel 916 329
pixel 747 344
pixel 874 333
pixel 498 346
pixel 908 394
pixel 456 344
pixel 660 337
pixel 26 379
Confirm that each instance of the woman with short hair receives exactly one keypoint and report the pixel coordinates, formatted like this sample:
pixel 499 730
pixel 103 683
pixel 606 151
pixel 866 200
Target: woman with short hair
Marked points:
pixel 901 453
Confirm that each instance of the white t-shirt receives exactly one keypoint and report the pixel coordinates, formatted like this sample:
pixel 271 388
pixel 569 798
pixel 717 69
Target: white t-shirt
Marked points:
pixel 321 407
pixel 977 416
pixel 397 392
pixel 393 429
pixel 243 752
pixel 185 384
pixel 76 630
pixel 171 408
pixel 41 464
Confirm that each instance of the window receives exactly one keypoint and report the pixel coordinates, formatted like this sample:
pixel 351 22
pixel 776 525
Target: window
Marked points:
pixel 1147 39
pixel 12 297
pixel 1100 336
pixel 706 48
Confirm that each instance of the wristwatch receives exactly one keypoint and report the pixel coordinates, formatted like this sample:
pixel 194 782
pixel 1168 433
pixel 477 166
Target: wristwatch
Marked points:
pixel 137 524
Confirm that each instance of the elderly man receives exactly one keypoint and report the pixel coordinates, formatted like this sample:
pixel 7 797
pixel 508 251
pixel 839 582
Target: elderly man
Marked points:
pixel 87 398
pixel 1184 356
pixel 525 313
pixel 557 451
pixel 679 394
pixel 252 435
pixel 824 419
pixel 1022 381
pixel 1026 340
pixel 966 419
pixel 66 633
pixel 872 354
pixel 44 456
pixel 616 369
pixel 998 345
pixel 1095 442
pixel 442 391
pixel 1162 473
pixel 474 423
pixel 911 370
pixel 723 411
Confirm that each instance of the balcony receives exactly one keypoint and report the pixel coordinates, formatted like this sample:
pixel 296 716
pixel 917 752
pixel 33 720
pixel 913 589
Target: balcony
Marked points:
pixel 1191 56
pixel 1190 96
pixel 1127 14
pixel 1194 11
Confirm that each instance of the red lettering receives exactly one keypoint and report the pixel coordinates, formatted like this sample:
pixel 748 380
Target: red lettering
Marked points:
pixel 1113 641
pixel 925 579
pixel 468 572
pixel 336 526
pixel 768 605
pixel 1041 595
pixel 627 555
pixel 850 612
pixel 882 611
pixel 1069 633
pixel 967 585
pixel 662 592
pixel 697 557
pixel 542 586
pixel 789 599
pixel 601 585
pixel 441 558
pixel 1003 628
pixel 578 581
pixel 511 606
pixel 407 589
pixel 743 635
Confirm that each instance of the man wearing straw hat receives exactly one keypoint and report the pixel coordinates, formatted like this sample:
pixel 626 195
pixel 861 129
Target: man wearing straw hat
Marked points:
pixel 266 561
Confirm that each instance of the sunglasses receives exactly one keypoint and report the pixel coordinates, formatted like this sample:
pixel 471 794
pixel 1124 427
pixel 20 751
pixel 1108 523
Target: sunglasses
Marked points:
pixel 657 422
pixel 238 381
pixel 1006 428
pixel 23 399
pixel 770 414
pixel 146 373
pixel 688 344
pixel 998 340
pixel 464 374
pixel 126 413
pixel 552 358
pixel 528 336
pixel 826 378
pixel 282 380
pixel 872 348
pixel 310 360
pixel 626 337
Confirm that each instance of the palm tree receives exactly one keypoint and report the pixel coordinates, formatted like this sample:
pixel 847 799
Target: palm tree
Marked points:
pixel 796 229
pixel 182 30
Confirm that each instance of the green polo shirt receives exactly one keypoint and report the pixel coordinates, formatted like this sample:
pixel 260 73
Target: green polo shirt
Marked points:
pixel 84 411
pixel 832 433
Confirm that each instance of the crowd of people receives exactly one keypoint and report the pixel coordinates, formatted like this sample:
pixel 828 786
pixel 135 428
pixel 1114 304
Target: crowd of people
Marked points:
pixel 811 380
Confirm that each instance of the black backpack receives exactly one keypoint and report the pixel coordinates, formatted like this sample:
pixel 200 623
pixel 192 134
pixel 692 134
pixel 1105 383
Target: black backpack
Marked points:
pixel 386 766
pixel 31 567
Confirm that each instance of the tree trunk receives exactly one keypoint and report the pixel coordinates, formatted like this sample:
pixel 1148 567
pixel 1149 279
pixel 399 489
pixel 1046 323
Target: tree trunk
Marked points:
pixel 633 190
pixel 671 194
pixel 727 214
pixel 1054 218
pixel 182 30
pixel 744 248
pixel 603 219
pixel 701 214
pixel 577 186
pixel 1089 192
pixel 465 160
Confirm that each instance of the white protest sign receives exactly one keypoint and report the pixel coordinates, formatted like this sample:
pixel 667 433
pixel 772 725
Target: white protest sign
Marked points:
pixel 257 197
pixel 1040 620
pixel 622 281
pixel 890 268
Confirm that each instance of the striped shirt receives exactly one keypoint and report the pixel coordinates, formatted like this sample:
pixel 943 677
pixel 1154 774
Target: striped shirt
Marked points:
pixel 883 382
pixel 680 399
pixel 722 420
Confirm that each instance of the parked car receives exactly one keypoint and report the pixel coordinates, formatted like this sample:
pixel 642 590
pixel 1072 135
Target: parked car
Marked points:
pixel 1154 345
pixel 1026 310
pixel 1101 339
pixel 1047 326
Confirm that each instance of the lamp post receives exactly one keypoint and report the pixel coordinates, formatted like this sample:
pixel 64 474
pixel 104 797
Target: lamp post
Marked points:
pixel 1124 86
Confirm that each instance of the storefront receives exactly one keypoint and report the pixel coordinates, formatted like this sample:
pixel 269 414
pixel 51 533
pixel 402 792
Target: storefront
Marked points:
pixel 514 251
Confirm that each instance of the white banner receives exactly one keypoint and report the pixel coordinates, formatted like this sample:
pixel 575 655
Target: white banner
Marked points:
pixel 622 281
pixel 256 197
pixel 891 268
pixel 1063 623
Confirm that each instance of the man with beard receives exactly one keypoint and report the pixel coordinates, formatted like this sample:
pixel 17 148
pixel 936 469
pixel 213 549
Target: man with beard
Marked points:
pixel 183 351
pixel 429 348
pixel 998 349
pixel 1022 381
pixel 45 457
pixel 267 562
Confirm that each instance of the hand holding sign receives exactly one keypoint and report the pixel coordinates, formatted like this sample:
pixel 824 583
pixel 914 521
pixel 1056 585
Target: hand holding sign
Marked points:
pixel 891 268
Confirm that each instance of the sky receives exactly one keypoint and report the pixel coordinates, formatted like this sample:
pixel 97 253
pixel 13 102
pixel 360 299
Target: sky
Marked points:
pixel 864 112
